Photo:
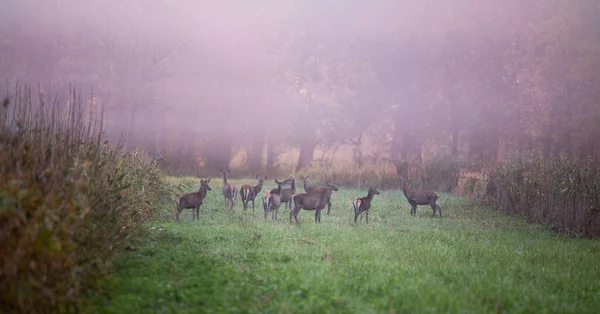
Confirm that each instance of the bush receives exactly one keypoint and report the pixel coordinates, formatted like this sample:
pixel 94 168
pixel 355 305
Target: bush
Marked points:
pixel 563 193
pixel 381 176
pixel 441 173
pixel 68 202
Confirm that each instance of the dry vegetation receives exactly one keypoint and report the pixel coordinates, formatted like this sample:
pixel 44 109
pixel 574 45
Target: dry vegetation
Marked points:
pixel 69 202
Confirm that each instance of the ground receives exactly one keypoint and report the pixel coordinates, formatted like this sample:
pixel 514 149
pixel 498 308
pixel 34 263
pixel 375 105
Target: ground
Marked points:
pixel 472 260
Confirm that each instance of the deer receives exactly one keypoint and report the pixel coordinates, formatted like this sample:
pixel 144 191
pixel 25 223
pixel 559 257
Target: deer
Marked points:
pixel 248 192
pixel 311 201
pixel 229 190
pixel 363 204
pixel 273 198
pixel 193 200
pixel 420 197
pixel 286 194
pixel 317 189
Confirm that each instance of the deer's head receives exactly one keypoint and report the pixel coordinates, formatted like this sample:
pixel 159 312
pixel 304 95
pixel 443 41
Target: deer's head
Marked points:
pixel 204 185
pixel 373 191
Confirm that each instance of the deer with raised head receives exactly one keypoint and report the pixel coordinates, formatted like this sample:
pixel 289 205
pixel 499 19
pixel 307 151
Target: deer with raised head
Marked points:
pixel 229 190
pixel 273 198
pixel 311 201
pixel 286 194
pixel 193 200
pixel 317 189
pixel 363 204
pixel 420 197
pixel 248 193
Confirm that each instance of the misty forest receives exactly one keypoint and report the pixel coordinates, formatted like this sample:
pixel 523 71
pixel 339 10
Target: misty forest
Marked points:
pixel 299 156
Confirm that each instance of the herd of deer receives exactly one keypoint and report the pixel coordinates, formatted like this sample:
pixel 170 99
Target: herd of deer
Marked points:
pixel 315 198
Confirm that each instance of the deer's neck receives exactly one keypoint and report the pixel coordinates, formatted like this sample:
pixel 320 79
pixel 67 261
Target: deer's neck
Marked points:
pixel 306 186
pixel 406 191
pixel 224 179
pixel 370 196
pixel 258 187
pixel 278 188
pixel 293 185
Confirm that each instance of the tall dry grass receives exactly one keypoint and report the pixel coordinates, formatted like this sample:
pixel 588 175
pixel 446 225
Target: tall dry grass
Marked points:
pixel 68 201
pixel 563 193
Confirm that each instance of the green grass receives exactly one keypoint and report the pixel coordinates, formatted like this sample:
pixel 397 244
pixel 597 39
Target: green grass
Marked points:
pixel 470 261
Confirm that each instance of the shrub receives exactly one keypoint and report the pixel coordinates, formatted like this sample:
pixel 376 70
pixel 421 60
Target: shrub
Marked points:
pixel 68 202
pixel 441 172
pixel 381 175
pixel 563 193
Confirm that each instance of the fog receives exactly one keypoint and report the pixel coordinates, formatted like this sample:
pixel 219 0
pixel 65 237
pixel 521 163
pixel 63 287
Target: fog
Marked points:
pixel 218 83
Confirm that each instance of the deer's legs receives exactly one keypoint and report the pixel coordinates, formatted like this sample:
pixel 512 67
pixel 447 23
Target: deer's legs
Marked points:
pixel 252 204
pixel 367 213
pixel 328 207
pixel 198 213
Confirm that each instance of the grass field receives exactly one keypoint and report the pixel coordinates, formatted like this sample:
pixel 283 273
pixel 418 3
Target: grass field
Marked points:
pixel 470 261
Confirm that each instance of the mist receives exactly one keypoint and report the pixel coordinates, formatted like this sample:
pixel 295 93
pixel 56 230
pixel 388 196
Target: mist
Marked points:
pixel 276 86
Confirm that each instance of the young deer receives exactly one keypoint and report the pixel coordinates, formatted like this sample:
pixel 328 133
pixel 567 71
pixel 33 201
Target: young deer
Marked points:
pixel 311 201
pixel 229 190
pixel 193 200
pixel 363 204
pixel 420 197
pixel 248 192
pixel 286 194
pixel 273 198
pixel 318 190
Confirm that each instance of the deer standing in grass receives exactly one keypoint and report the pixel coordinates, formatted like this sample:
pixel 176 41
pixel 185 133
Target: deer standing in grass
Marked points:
pixel 311 201
pixel 248 193
pixel 363 204
pixel 193 200
pixel 229 190
pixel 286 194
pixel 317 189
pixel 420 197
pixel 273 198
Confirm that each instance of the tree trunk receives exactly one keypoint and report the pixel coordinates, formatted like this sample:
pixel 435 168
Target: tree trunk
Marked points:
pixel 271 157
pixel 455 143
pixel 129 141
pixel 218 153
pixel 307 150
pixel 255 158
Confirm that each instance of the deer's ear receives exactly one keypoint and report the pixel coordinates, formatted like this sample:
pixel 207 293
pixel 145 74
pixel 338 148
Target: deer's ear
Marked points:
pixel 228 170
pixel 265 178
pixel 207 181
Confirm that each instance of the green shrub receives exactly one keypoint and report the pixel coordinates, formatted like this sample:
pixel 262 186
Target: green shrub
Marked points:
pixel 68 202
pixel 563 193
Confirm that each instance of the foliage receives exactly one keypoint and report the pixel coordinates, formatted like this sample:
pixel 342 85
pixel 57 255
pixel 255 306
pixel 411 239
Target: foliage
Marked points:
pixel 441 172
pixel 472 260
pixel 563 193
pixel 68 202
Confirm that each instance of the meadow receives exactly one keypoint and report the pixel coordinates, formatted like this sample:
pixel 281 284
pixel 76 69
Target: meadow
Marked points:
pixel 472 260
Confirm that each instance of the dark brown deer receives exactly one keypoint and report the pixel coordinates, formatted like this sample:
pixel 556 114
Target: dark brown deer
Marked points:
pixel 229 190
pixel 363 204
pixel 248 193
pixel 311 201
pixel 420 197
pixel 273 198
pixel 286 194
pixel 193 200
pixel 318 190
